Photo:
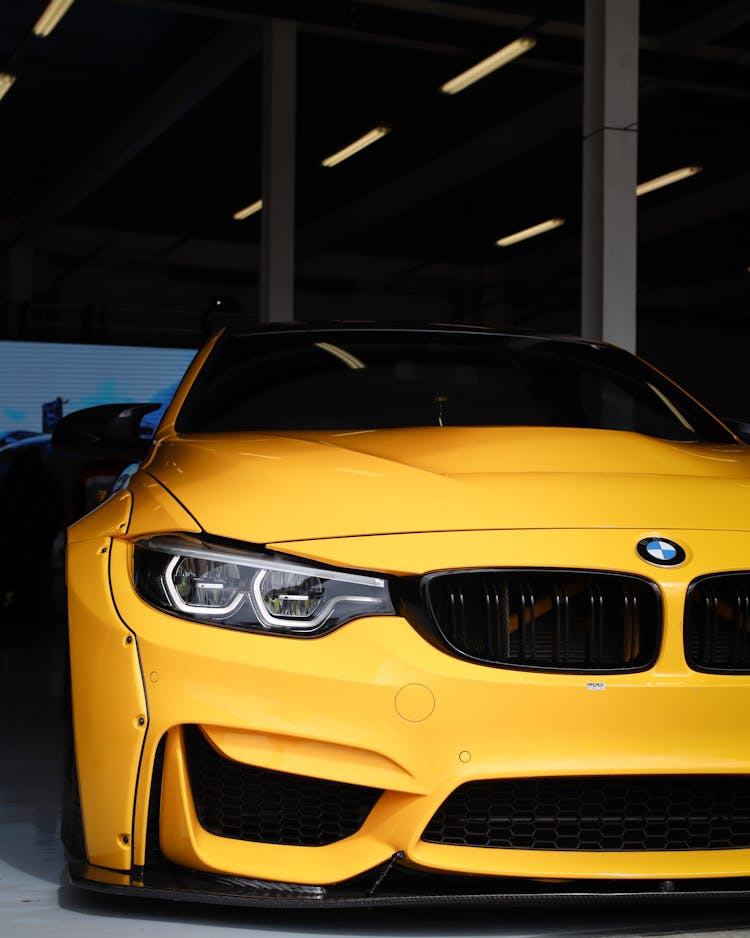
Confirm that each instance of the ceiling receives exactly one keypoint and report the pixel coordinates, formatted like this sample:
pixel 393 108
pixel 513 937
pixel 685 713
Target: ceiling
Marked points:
pixel 132 135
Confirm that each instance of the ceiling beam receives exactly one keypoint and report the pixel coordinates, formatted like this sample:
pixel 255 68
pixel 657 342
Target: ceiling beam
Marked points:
pixel 231 48
pixel 692 40
pixel 226 11
pixel 717 22
pixel 453 168
pixel 157 251
pixel 483 16
pixel 708 203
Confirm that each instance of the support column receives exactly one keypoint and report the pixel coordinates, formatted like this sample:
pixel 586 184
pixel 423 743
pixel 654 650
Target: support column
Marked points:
pixel 610 154
pixel 279 105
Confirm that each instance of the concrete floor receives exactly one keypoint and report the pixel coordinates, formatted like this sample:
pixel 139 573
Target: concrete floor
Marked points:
pixel 36 900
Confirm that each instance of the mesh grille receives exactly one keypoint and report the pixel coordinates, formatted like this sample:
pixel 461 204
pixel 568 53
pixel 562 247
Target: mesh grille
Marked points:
pixel 625 813
pixel 717 623
pixel 554 620
pixel 244 802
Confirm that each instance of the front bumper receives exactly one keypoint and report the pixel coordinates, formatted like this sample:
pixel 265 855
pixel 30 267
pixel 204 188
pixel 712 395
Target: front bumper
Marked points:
pixel 395 885
pixel 374 704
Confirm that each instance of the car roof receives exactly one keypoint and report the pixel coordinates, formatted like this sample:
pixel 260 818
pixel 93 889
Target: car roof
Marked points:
pixel 410 328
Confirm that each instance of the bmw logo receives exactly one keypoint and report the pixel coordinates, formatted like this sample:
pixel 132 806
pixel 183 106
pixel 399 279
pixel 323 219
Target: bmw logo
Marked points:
pixel 660 551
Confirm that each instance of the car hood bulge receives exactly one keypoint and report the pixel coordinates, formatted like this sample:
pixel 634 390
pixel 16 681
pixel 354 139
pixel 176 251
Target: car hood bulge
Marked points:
pixel 265 487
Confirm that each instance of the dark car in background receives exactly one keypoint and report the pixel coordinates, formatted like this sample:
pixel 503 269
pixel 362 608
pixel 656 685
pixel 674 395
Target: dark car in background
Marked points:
pixel 48 481
pixel 15 436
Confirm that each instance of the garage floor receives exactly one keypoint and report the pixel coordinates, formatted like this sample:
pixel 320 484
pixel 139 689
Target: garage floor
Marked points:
pixel 35 899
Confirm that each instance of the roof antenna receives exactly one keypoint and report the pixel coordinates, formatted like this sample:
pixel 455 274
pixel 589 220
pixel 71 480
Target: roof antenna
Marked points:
pixel 440 400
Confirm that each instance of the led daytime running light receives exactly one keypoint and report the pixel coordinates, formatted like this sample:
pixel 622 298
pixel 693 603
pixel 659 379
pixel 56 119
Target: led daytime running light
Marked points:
pixel 241 589
pixel 311 623
pixel 192 608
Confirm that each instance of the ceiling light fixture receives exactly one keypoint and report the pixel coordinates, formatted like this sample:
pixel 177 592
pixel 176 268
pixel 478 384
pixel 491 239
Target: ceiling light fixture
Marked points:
pixel 248 210
pixel 55 11
pixel 658 182
pixel 360 143
pixel 530 232
pixel 496 60
pixel 6 80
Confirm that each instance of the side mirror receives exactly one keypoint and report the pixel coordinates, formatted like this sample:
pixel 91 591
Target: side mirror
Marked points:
pixel 106 423
pixel 740 428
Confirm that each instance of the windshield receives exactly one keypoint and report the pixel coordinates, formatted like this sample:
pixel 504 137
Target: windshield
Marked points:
pixel 373 379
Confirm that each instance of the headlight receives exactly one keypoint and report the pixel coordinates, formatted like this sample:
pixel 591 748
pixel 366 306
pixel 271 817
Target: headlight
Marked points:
pixel 241 590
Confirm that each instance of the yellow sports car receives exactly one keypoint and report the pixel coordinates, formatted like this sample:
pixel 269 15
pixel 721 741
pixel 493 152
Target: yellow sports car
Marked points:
pixel 398 614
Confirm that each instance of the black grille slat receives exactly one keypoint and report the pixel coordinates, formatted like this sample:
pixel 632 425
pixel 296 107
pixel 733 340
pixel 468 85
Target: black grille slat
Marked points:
pixel 717 623
pixel 630 639
pixel 597 650
pixel 548 620
pixel 529 634
pixel 742 623
pixel 244 802
pixel 616 814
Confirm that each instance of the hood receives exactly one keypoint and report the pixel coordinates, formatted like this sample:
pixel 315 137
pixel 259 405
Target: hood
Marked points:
pixel 267 487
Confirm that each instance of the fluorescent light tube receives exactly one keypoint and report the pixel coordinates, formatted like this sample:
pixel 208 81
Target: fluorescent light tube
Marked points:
pixel 530 232
pixel 6 80
pixel 658 182
pixel 248 210
pixel 359 144
pixel 496 60
pixel 55 11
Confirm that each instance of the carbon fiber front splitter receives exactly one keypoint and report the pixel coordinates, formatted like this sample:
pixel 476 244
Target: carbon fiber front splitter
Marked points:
pixel 396 885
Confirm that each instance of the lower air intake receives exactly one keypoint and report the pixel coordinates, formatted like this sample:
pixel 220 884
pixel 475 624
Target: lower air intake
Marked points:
pixel 608 813
pixel 244 802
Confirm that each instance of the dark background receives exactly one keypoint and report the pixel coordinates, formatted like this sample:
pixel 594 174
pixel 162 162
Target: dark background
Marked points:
pixel 132 134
